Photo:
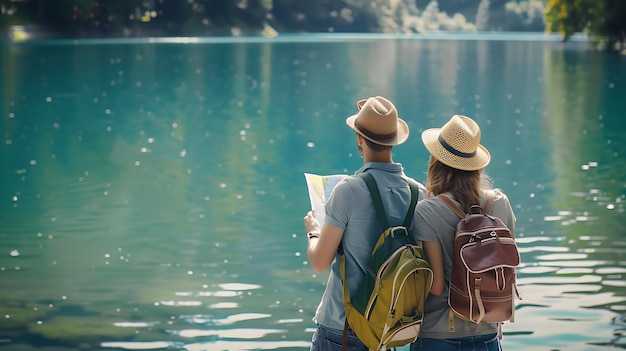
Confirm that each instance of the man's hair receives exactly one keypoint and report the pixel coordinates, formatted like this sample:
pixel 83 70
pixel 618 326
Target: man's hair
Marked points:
pixel 376 147
pixel 465 186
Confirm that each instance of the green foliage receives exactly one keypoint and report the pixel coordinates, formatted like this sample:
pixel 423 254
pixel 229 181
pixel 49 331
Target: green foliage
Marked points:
pixel 603 20
pixel 614 25
pixel 571 16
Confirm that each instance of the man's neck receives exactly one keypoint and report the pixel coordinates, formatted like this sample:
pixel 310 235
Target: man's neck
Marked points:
pixel 384 157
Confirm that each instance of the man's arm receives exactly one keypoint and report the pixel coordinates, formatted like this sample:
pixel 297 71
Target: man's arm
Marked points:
pixel 323 244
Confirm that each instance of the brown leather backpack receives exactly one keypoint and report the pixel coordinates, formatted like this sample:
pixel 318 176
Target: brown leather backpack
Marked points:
pixel 482 284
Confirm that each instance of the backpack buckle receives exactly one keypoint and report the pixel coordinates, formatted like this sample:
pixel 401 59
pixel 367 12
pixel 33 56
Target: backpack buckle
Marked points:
pixel 476 209
pixel 392 232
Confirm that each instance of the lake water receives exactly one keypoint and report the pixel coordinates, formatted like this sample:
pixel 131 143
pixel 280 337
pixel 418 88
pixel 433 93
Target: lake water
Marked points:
pixel 152 191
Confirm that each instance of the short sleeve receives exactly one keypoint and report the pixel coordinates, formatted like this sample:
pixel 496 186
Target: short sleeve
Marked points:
pixel 425 215
pixel 338 205
pixel 503 210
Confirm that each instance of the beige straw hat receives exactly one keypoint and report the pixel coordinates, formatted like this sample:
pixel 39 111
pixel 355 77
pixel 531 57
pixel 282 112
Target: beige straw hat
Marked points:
pixel 457 144
pixel 378 122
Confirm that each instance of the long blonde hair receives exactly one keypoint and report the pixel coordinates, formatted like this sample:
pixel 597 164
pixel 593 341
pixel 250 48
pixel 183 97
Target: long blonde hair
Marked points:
pixel 465 186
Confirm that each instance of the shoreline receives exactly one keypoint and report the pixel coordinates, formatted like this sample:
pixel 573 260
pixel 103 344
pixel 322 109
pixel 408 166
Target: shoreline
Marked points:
pixel 27 34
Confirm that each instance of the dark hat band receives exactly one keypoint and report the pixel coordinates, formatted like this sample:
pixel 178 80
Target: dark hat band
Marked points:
pixel 372 135
pixel 453 150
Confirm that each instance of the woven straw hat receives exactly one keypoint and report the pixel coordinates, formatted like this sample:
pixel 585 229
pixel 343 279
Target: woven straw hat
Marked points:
pixel 378 122
pixel 457 144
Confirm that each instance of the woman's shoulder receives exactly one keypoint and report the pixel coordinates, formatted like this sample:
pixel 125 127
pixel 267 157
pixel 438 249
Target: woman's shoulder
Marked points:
pixel 434 213
pixel 430 204
pixel 502 208
pixel 430 201
pixel 499 195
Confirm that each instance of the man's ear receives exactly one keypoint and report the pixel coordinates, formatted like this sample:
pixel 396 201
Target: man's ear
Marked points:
pixel 359 140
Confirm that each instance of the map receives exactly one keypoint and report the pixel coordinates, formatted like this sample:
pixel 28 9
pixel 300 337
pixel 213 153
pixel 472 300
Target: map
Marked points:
pixel 320 187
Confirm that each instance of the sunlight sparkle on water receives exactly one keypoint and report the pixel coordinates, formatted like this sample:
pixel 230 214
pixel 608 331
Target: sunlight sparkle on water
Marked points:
pixel 242 333
pixel 575 271
pixel 544 248
pixel 181 303
pixel 582 263
pixel 224 305
pixel 241 317
pixel 220 293
pixel 135 324
pixel 611 270
pixel 619 283
pixel 585 281
pixel 595 237
pixel 537 270
pixel 137 345
pixel 532 239
pixel 248 345
pixel 239 286
pixel 568 256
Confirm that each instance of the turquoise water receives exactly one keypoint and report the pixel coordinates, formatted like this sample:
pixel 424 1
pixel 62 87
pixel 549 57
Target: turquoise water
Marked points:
pixel 152 191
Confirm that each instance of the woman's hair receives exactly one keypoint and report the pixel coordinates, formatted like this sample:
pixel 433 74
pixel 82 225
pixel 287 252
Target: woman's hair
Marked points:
pixel 465 186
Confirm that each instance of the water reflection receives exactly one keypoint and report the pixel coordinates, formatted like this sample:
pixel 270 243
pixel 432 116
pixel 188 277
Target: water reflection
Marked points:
pixel 154 193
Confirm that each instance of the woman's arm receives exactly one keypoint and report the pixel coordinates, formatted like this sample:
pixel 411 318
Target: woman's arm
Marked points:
pixel 434 255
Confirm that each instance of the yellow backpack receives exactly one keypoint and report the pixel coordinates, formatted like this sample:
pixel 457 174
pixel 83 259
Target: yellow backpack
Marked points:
pixel 387 310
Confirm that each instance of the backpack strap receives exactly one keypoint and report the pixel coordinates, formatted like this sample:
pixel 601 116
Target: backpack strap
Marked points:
pixel 415 192
pixel 382 217
pixel 454 207
pixel 375 194
pixel 378 204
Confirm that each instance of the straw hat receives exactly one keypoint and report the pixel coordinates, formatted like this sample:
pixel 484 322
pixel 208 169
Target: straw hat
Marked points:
pixel 378 122
pixel 457 144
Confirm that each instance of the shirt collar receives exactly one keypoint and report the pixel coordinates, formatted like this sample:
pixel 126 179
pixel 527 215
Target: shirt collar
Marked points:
pixel 383 166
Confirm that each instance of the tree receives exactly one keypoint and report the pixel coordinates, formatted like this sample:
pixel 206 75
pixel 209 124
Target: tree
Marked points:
pixel 482 15
pixel 603 20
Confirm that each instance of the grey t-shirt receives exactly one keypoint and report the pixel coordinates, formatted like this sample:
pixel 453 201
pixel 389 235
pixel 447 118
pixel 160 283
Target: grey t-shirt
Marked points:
pixel 435 221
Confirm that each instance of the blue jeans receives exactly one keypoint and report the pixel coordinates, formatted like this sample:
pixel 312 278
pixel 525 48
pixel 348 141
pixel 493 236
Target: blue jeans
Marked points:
pixel 326 339
pixel 488 342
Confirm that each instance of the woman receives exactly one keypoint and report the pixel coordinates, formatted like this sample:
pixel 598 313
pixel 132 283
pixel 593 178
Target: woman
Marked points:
pixel 455 169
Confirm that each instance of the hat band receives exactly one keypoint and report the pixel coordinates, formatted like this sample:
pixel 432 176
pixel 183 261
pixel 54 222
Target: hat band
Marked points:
pixel 453 150
pixel 372 135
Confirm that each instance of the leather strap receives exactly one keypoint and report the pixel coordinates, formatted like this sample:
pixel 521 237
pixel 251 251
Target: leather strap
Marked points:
pixel 479 300
pixel 454 207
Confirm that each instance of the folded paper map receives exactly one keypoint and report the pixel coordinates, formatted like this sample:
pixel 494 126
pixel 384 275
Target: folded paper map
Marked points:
pixel 320 187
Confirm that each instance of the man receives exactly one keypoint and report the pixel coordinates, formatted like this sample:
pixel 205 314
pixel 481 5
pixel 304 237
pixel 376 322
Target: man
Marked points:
pixel 351 220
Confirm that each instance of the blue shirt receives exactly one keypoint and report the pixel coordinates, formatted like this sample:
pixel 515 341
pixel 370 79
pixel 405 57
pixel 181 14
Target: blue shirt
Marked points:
pixel 350 208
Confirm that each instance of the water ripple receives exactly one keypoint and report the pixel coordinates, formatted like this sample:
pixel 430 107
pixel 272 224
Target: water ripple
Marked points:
pixel 242 333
